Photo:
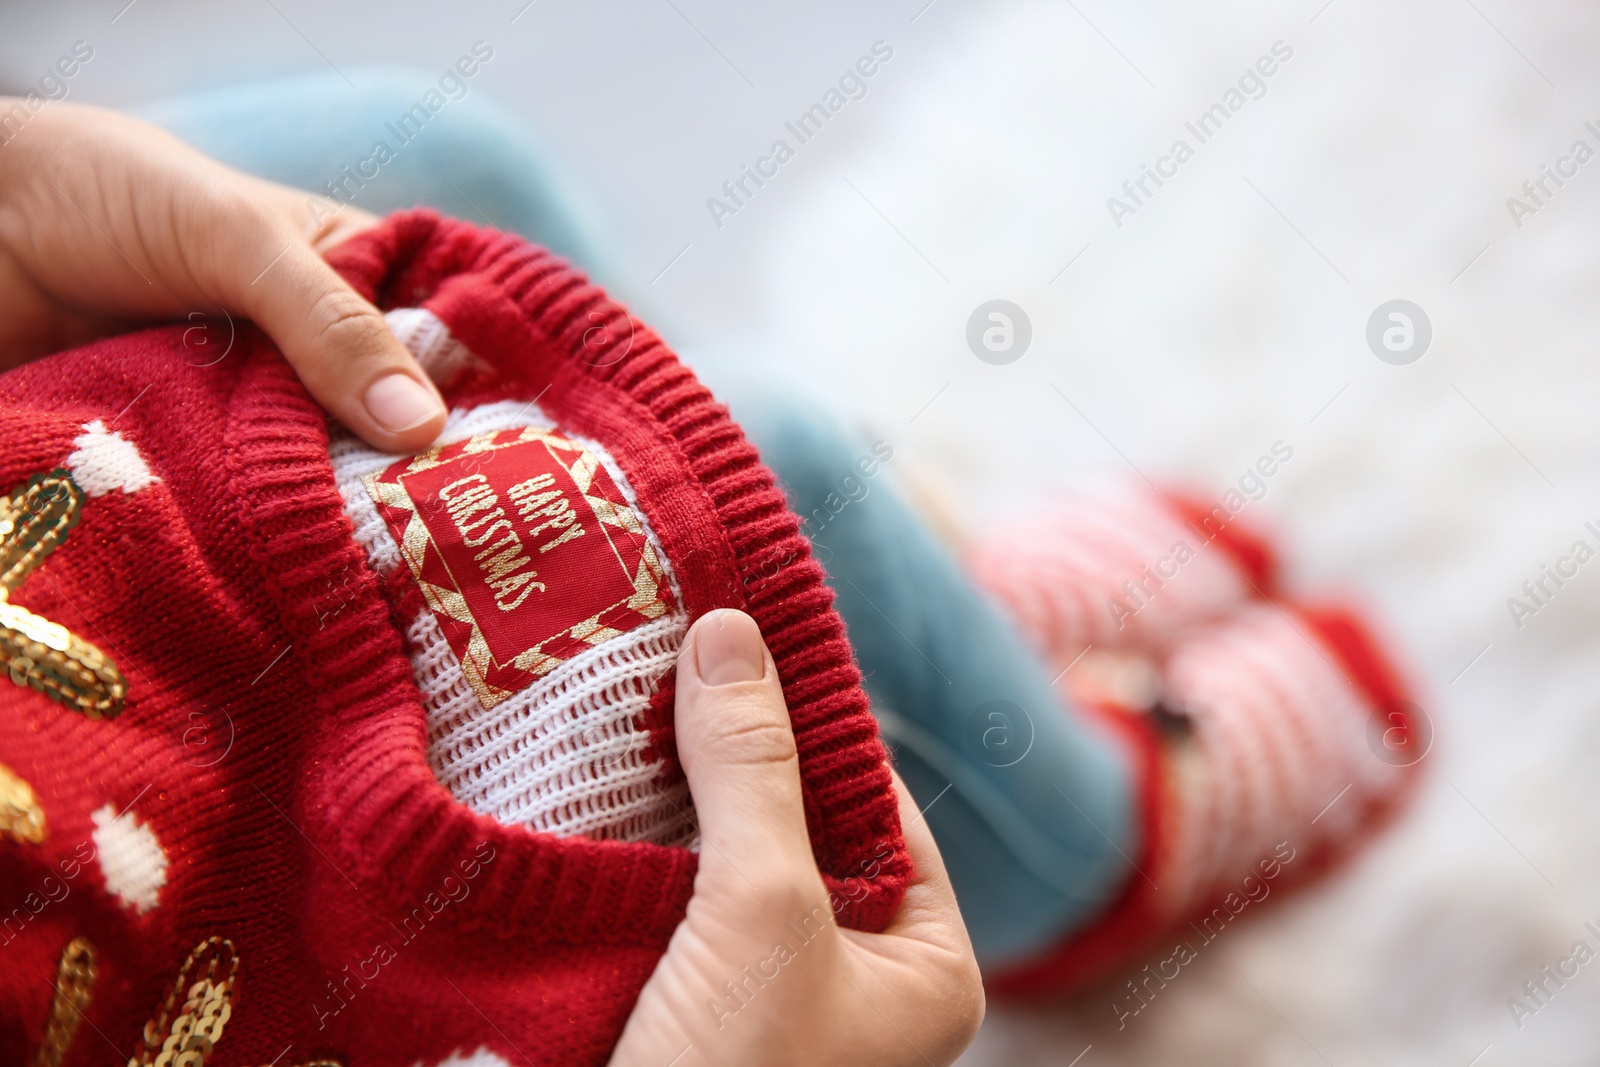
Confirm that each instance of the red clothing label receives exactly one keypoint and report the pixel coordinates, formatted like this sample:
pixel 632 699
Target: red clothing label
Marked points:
pixel 525 549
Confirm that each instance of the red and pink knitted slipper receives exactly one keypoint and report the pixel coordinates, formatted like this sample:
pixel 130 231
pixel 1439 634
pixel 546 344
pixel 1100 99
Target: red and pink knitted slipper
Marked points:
pixel 1270 742
pixel 393 774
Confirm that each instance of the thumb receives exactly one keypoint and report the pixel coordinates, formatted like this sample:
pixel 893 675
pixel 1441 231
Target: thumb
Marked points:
pixel 738 752
pixel 344 352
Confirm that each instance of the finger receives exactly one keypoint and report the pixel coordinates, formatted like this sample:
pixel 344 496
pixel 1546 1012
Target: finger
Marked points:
pixel 343 351
pixel 738 752
pixel 929 911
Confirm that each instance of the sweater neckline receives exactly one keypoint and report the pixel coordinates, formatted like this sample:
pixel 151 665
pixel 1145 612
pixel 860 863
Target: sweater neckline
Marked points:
pixel 373 806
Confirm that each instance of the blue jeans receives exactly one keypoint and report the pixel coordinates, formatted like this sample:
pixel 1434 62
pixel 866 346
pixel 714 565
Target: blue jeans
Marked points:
pixel 1033 811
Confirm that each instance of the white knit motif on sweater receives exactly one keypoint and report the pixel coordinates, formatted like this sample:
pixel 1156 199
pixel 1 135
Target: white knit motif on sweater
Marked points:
pixel 131 859
pixel 103 460
pixel 568 753
pixel 481 1058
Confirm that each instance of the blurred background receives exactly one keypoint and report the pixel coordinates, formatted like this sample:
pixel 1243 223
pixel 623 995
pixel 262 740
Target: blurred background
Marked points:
pixel 1180 335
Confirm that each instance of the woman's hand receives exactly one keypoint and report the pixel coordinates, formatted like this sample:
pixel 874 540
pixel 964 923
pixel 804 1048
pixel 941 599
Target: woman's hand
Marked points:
pixel 107 223
pixel 757 972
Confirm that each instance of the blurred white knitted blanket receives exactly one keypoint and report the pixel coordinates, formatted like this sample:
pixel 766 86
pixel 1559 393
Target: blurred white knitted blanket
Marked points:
pixel 1227 311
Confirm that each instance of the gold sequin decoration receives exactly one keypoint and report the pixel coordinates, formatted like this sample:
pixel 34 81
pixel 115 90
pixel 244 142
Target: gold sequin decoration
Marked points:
pixel 35 652
pixel 187 1038
pixel 21 814
pixel 75 977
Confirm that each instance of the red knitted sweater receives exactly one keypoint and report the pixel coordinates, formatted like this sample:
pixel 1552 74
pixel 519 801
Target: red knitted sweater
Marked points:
pixel 272 741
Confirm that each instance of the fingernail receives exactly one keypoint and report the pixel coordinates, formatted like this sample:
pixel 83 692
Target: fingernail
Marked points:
pixel 728 648
pixel 398 402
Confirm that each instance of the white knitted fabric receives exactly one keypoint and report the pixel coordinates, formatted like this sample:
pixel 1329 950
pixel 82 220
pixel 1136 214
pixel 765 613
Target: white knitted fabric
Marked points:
pixel 420 330
pixel 567 754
